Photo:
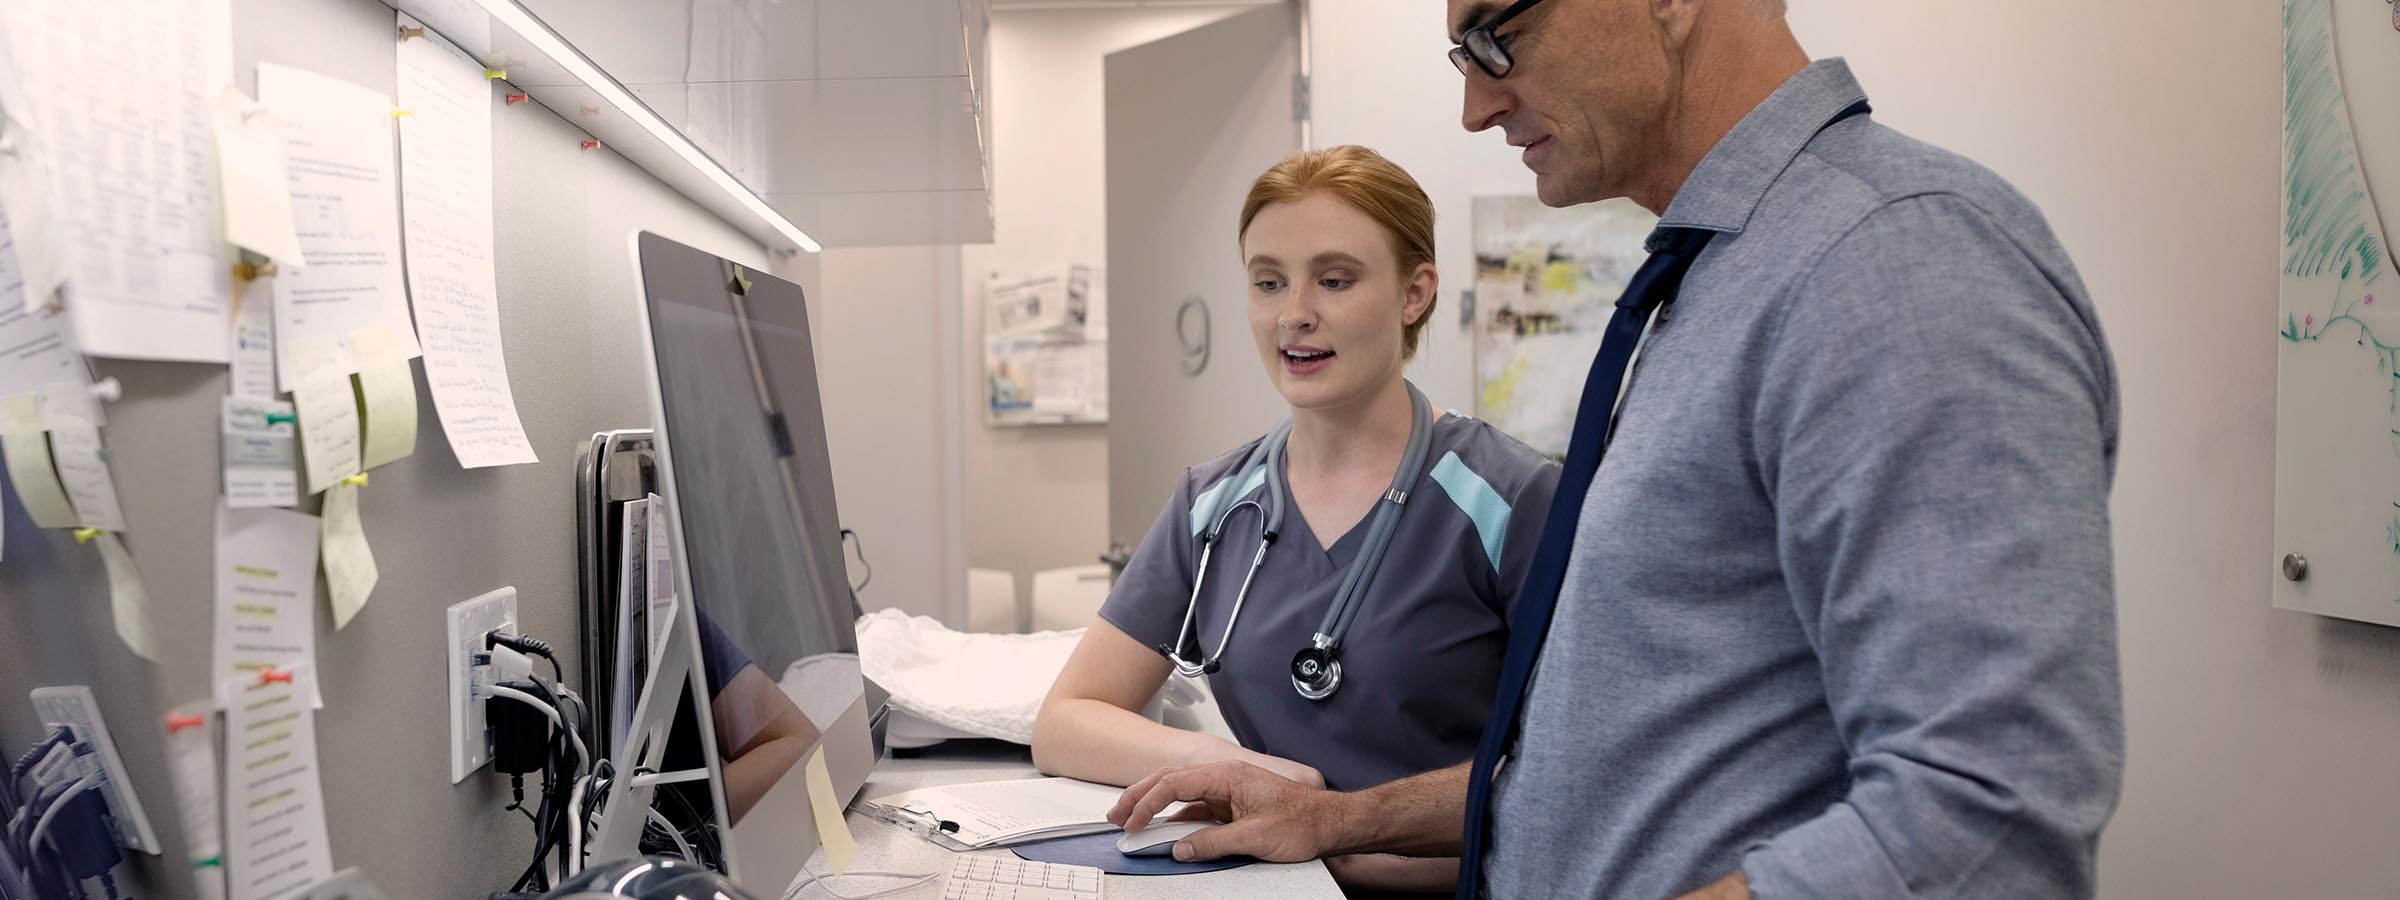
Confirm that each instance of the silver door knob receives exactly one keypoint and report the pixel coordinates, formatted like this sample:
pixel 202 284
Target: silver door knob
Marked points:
pixel 2295 567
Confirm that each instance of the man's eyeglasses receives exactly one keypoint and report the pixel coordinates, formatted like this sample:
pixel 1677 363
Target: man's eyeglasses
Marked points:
pixel 1478 46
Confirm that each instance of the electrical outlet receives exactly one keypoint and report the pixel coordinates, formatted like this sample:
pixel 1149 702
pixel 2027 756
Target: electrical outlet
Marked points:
pixel 75 707
pixel 470 740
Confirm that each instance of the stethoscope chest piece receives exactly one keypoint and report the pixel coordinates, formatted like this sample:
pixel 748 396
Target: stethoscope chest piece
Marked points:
pixel 1316 671
pixel 1316 674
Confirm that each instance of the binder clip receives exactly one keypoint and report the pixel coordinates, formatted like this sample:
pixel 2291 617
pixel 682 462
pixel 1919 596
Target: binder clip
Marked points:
pixel 514 99
pixel 178 722
pixel 272 675
pixel 358 480
pixel 87 535
pixel 591 145
pixel 494 74
pixel 410 32
pixel 924 824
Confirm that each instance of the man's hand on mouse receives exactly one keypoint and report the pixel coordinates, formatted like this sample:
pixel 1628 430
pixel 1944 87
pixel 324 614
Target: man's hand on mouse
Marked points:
pixel 1267 816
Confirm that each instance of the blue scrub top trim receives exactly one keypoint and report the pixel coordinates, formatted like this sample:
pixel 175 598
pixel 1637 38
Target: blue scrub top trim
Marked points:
pixel 1475 497
pixel 1207 501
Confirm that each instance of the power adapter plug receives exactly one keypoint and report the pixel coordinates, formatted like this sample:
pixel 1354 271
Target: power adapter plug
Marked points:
pixel 520 733
pixel 82 837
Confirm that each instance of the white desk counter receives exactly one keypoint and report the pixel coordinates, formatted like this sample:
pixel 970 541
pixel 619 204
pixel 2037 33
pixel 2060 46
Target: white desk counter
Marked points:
pixel 890 848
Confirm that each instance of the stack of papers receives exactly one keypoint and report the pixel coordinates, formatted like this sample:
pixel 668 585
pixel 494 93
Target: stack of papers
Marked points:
pixel 1000 813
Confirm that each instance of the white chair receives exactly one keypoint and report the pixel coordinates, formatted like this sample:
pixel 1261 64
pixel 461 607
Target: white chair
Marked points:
pixel 1068 598
pixel 992 601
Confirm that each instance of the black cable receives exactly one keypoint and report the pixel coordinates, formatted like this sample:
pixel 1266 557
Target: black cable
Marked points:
pixel 850 536
pixel 532 878
pixel 707 825
pixel 559 756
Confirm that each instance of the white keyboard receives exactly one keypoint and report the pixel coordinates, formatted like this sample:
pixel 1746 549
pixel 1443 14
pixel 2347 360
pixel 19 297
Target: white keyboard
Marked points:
pixel 1010 878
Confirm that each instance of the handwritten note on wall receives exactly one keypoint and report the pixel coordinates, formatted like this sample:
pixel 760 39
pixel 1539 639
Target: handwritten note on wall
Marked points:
pixel 328 410
pixel 72 417
pixel 345 210
pixel 446 210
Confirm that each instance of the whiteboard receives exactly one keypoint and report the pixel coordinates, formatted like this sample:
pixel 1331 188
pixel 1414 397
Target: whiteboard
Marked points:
pixel 2337 426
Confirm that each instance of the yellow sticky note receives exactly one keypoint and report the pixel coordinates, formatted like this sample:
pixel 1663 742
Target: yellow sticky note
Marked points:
pixel 350 573
pixel 126 599
pixel 27 449
pixel 389 394
pixel 832 831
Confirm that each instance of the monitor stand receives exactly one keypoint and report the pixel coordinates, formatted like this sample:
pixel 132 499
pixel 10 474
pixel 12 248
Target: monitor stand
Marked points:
pixel 674 679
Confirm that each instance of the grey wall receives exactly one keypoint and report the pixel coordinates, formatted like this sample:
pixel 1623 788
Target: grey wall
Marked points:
pixel 441 534
pixel 890 352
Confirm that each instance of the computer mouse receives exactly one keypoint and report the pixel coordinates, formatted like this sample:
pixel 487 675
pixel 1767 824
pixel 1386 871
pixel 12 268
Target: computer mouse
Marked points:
pixel 1158 839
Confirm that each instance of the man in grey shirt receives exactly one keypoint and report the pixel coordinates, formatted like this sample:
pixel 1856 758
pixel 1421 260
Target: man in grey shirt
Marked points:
pixel 1838 619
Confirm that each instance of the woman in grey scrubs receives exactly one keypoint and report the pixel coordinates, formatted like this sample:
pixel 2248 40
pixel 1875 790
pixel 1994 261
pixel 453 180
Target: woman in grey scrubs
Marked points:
pixel 1338 246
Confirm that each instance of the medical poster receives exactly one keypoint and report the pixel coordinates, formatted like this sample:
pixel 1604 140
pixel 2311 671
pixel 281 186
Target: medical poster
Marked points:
pixel 1045 348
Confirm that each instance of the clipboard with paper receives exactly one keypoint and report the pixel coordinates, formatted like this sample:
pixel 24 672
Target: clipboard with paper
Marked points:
pixel 989 814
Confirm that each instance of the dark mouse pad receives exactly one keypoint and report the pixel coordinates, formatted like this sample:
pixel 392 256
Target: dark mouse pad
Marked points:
pixel 1100 852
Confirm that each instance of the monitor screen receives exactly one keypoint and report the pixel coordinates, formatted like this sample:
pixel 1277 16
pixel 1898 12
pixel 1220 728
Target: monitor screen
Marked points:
pixel 757 543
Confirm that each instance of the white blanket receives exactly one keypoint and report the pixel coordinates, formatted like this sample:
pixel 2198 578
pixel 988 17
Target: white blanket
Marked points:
pixel 947 684
pixel 990 685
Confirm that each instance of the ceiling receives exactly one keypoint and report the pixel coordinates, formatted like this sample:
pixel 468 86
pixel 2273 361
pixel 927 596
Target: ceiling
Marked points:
pixel 860 120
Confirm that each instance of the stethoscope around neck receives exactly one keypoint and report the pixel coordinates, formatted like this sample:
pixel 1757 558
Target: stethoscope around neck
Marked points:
pixel 1316 670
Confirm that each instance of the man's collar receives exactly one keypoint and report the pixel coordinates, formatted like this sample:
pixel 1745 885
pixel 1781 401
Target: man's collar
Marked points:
pixel 1726 187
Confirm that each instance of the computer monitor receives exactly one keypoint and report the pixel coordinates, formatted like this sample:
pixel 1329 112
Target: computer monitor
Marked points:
pixel 768 623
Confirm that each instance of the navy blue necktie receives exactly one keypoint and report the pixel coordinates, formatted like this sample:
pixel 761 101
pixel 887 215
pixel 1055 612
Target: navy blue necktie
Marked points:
pixel 1672 251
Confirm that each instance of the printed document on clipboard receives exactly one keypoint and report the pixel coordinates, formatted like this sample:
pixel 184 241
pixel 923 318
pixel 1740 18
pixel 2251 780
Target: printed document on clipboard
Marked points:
pixel 1000 813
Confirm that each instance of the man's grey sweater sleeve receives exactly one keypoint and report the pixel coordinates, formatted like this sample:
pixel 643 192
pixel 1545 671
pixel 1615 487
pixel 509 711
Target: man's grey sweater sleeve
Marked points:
pixel 1936 430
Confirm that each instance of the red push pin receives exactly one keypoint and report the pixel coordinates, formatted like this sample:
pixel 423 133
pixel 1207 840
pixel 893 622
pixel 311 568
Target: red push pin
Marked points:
pixel 178 722
pixel 272 675
pixel 514 99
pixel 591 145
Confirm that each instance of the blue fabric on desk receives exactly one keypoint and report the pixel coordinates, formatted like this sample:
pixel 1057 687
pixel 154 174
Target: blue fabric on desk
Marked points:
pixel 1100 852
